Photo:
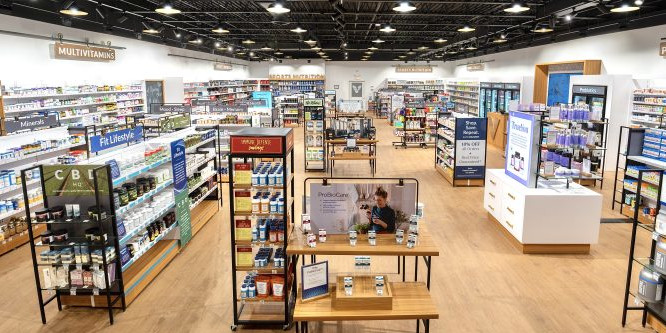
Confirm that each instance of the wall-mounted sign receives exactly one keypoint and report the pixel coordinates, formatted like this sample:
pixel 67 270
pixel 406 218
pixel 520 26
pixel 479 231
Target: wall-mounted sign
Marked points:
pixel 221 66
pixel 589 90
pixel 413 69
pixel 476 67
pixel 171 108
pixel 264 96
pixel 313 102
pixel 356 89
pixel 512 86
pixel 471 148
pixel 498 85
pixel 30 123
pixel 296 77
pixel 115 138
pixel 662 49
pixel 82 52
pixel 228 108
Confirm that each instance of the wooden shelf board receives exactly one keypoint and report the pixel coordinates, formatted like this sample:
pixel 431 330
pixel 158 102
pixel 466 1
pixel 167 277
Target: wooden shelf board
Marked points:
pixel 138 276
pixel 203 213
pixel 411 300
pixel 17 240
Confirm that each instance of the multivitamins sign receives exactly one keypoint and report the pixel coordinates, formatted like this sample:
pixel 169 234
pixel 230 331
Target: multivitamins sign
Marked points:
pixel 470 148
pixel 115 138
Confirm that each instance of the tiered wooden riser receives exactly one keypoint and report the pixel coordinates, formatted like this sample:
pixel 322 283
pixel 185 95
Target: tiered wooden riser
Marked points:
pixel 364 295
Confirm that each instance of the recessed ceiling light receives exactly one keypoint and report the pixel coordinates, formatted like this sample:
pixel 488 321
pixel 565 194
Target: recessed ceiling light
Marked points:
pixel 466 28
pixel 568 17
pixel 219 29
pixel 230 48
pixel 298 30
pixel 288 57
pixel 251 53
pixel 321 53
pixel 471 47
pixel 266 48
pixel 439 56
pixel 241 53
pixel 404 7
pixel 368 52
pixel 218 44
pixel 364 59
pixel 440 40
pixel 625 7
pixel 72 10
pixel 310 41
pixel 316 48
pixel 638 2
pixel 278 7
pixel 372 48
pixel 167 9
pixel 378 41
pixel 387 28
pixel 150 30
pixel 452 52
pixel 248 41
pixel 402 56
pixel 411 51
pixel 517 7
pixel 278 52
pixel 423 48
pixel 196 41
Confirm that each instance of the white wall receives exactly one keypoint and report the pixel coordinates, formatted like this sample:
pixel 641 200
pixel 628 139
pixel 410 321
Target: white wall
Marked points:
pixel 372 73
pixel 27 61
pixel 633 52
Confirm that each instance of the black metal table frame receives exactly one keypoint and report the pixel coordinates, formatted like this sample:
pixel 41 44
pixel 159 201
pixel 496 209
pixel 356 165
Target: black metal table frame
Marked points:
pixel 372 152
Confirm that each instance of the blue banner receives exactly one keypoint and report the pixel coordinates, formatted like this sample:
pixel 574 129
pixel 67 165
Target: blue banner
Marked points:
pixel 470 148
pixel 116 138
pixel 264 95
pixel 178 165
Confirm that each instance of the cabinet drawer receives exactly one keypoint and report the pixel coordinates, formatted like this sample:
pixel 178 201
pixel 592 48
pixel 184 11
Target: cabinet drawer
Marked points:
pixel 492 204
pixel 513 217
pixel 492 182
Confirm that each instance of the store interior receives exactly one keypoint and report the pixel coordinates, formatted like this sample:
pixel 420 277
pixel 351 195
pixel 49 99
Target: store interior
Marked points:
pixel 356 166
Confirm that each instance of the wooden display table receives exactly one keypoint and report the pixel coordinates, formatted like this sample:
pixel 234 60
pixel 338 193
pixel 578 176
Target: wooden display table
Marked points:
pixel 371 156
pixel 411 300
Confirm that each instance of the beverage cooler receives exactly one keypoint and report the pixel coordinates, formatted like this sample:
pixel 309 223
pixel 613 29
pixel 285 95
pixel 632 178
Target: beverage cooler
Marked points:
pixel 594 96
pixel 495 97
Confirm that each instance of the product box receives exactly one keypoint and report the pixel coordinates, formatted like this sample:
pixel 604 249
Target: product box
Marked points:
pixel 243 229
pixel 243 174
pixel 242 201
pixel 244 256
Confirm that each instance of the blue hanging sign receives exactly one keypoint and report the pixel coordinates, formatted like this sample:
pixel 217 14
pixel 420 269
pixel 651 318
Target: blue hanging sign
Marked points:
pixel 116 138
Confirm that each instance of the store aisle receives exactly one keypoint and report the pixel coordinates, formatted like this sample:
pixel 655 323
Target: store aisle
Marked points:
pixel 479 282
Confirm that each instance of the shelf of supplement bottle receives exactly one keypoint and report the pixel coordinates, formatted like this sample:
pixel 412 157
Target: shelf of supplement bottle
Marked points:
pixel 78 242
pixel 649 161
pixel 586 147
pixel 16 189
pixel 18 211
pixel 193 149
pixel 77 116
pixel 138 171
pixel 36 157
pixel 77 220
pixel 45 108
pixel 142 227
pixel 144 197
pixel 651 104
pixel 211 190
pixel 261 187
pixel 192 169
pixel 203 181
pixel 83 290
pixel 559 121
pixel 148 247
pixel 10 97
pixel 266 243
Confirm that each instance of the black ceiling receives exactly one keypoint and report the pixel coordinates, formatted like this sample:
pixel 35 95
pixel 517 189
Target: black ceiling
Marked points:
pixel 354 22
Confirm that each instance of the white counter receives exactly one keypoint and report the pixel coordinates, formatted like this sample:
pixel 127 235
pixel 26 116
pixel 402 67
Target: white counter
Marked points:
pixel 549 215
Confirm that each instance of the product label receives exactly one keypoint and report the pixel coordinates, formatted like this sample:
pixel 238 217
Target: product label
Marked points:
pixel 243 173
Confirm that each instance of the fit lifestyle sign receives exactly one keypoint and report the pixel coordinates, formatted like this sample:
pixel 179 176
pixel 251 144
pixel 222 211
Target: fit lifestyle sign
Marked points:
pixel 82 52
pixel 413 69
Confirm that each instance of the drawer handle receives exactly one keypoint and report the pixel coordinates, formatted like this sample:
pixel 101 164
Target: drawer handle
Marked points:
pixel 510 211
pixel 491 207
pixel 492 182
pixel 492 195
pixel 511 196
pixel 509 224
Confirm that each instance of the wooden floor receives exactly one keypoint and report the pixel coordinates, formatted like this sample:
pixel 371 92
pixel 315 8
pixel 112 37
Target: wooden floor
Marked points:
pixel 480 282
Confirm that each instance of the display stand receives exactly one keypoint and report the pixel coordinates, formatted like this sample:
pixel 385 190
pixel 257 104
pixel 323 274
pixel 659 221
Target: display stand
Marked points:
pixel 253 146
pixel 82 253
pixel 451 138
pixel 411 125
pixel 648 108
pixel 224 92
pixel 203 168
pixel 330 103
pixel 315 120
pixel 649 265
pixel 411 300
pixel 465 97
pixel 289 109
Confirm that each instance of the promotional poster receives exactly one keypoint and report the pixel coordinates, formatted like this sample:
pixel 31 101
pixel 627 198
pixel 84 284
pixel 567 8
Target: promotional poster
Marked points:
pixel 339 208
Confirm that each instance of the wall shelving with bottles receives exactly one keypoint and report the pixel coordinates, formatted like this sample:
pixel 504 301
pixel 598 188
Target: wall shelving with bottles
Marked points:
pixel 465 97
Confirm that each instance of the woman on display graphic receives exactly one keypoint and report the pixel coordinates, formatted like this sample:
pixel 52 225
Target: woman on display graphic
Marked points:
pixel 382 216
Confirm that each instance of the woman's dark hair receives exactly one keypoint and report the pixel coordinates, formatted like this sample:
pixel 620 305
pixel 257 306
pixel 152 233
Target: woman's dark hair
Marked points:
pixel 380 192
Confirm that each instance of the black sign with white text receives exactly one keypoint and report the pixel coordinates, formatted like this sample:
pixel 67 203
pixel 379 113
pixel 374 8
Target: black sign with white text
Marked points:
pixel 30 123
